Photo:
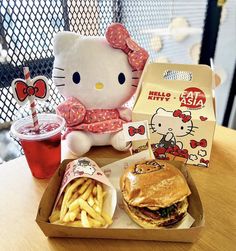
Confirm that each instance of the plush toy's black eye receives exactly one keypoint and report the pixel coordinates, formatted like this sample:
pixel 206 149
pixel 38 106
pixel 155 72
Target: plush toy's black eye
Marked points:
pixel 159 124
pixel 121 78
pixel 182 128
pixel 76 77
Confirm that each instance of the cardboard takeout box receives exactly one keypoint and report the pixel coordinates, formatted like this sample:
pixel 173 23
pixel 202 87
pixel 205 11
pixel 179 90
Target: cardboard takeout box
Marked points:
pixel 116 231
pixel 177 101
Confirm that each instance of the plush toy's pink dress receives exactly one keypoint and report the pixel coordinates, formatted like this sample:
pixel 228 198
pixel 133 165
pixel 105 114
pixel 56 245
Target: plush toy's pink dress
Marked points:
pixel 94 121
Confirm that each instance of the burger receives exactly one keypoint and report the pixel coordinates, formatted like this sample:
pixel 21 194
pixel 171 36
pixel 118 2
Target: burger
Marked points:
pixel 154 193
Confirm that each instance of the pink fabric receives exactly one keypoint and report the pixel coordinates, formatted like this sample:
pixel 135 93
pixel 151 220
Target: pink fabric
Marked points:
pixel 95 121
pixel 72 111
pixel 118 37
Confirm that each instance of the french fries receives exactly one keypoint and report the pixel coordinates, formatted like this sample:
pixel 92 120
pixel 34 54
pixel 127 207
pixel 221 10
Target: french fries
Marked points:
pixel 68 194
pixel 99 197
pixel 84 219
pixel 91 200
pixel 81 205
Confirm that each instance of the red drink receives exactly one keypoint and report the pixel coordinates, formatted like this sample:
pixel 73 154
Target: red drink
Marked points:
pixel 42 149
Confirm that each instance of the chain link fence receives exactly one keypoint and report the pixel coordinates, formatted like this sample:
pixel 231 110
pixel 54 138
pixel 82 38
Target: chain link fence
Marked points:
pixel 27 28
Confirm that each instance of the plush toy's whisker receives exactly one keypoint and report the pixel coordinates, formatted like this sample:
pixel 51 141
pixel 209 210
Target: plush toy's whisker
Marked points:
pixel 191 134
pixel 60 85
pixel 58 77
pixel 135 86
pixel 58 68
pixel 192 126
pixel 135 77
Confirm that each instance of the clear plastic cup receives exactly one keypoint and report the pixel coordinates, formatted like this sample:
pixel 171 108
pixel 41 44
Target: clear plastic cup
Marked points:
pixel 43 149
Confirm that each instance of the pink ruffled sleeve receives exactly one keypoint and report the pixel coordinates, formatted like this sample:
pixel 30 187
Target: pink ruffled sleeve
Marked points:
pixel 72 111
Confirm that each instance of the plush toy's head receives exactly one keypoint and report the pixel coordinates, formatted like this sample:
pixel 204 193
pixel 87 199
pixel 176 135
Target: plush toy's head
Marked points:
pixel 91 70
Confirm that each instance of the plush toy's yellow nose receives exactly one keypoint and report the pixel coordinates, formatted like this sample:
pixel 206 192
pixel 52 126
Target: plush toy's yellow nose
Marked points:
pixel 99 85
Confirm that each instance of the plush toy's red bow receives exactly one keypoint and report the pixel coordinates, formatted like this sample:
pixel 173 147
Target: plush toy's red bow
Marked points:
pixel 39 89
pixel 185 118
pixel 202 143
pixel 118 37
pixel 140 130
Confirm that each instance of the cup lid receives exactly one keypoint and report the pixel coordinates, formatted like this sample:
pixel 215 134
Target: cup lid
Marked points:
pixel 43 118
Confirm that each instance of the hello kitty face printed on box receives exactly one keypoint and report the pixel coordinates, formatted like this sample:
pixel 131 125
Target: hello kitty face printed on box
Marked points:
pixel 178 122
pixel 171 125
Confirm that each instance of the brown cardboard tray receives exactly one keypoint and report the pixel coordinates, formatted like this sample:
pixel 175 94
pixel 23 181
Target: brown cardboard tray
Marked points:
pixel 174 235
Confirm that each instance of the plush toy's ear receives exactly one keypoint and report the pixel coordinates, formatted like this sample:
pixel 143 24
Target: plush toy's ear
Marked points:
pixel 63 41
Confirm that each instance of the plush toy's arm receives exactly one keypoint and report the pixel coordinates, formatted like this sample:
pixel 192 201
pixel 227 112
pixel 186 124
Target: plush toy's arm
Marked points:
pixel 72 111
pixel 125 113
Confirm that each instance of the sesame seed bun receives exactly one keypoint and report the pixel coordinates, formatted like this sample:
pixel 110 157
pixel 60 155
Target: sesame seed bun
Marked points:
pixel 151 187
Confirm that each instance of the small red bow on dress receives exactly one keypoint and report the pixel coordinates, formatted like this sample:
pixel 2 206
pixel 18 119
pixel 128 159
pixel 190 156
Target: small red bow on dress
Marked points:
pixel 118 37
pixel 38 89
pixel 202 143
pixel 185 118
pixel 140 130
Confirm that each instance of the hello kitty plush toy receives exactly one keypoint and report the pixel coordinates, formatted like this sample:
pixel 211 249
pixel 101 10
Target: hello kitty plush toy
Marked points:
pixel 97 76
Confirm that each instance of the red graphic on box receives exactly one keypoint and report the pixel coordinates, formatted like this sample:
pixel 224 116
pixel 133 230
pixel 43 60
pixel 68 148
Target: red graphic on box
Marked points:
pixel 185 118
pixel 203 161
pixel 193 98
pixel 140 130
pixel 201 143
pixel 165 154
pixel 202 118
